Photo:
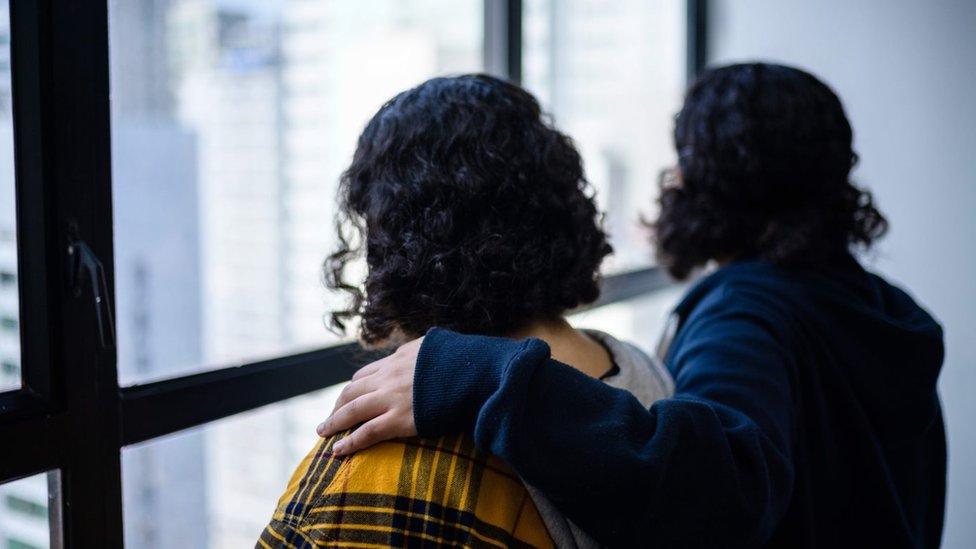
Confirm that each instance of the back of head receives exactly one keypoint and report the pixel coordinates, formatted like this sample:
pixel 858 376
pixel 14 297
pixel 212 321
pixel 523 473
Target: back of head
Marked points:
pixel 473 213
pixel 765 154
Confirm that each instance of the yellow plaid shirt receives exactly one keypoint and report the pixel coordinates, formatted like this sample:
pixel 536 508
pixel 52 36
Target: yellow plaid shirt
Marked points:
pixel 407 493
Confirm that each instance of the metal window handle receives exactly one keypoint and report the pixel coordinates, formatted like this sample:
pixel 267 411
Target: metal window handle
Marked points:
pixel 82 258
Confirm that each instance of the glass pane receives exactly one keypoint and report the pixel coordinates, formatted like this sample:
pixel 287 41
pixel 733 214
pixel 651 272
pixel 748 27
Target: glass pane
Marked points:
pixel 217 485
pixel 612 73
pixel 231 122
pixel 9 311
pixel 25 512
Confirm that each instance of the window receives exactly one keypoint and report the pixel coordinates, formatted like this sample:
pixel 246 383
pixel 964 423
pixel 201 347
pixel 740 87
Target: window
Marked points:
pixel 175 165
pixel 231 122
pixel 612 73
pixel 24 512
pixel 234 470
pixel 9 344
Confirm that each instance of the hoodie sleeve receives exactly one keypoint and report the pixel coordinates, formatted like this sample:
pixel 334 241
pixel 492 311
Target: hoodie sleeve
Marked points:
pixel 709 467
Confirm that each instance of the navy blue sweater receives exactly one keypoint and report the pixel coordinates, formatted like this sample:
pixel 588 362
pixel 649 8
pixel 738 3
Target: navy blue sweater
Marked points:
pixel 805 415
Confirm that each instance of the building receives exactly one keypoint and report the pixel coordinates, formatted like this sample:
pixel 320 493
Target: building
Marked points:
pixel 342 60
pixel 224 77
pixel 9 332
pixel 157 266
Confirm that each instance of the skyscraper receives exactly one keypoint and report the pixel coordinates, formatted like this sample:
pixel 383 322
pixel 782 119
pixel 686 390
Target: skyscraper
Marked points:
pixel 342 60
pixel 225 75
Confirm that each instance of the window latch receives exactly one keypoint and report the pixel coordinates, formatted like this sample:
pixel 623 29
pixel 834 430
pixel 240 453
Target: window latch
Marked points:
pixel 81 260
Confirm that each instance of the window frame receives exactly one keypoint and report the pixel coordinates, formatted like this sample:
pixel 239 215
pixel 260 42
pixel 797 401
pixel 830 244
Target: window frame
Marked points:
pixel 70 415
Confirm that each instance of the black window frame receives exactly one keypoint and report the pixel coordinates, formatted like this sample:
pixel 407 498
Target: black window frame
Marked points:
pixel 70 415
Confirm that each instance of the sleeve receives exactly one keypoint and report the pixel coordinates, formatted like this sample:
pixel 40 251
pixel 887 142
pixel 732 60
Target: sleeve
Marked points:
pixel 709 467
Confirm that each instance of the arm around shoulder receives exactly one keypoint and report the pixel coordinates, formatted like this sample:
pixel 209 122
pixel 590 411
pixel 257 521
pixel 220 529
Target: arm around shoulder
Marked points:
pixel 717 454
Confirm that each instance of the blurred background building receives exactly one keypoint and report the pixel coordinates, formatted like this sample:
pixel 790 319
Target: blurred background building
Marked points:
pixel 233 119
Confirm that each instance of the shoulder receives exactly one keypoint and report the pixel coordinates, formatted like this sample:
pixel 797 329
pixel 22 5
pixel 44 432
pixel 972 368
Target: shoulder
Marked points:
pixel 322 476
pixel 752 292
pixel 747 308
pixel 314 474
pixel 330 499
pixel 324 486
pixel 745 278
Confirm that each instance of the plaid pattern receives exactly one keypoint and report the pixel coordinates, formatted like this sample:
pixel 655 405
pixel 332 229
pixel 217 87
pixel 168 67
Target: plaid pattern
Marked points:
pixel 408 493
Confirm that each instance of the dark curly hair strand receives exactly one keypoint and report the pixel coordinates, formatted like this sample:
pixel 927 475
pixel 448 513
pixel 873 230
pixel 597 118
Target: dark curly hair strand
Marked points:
pixel 473 213
pixel 765 155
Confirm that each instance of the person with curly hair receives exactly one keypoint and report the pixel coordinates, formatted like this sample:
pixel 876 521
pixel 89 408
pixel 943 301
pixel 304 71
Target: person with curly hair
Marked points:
pixel 472 213
pixel 805 411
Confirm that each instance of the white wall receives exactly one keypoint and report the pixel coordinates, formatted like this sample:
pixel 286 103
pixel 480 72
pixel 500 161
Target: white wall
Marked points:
pixel 906 71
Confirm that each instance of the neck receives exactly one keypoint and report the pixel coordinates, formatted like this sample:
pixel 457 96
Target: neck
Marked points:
pixel 569 345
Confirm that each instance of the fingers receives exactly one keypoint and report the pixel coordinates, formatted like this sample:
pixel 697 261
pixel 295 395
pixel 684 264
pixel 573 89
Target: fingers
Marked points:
pixel 373 431
pixel 379 399
pixel 368 369
pixel 353 390
pixel 356 411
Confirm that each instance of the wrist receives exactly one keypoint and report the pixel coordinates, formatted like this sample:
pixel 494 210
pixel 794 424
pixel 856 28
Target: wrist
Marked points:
pixel 455 376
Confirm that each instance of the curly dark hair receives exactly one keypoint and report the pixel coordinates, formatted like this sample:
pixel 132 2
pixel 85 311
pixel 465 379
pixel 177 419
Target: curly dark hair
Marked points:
pixel 473 212
pixel 764 157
